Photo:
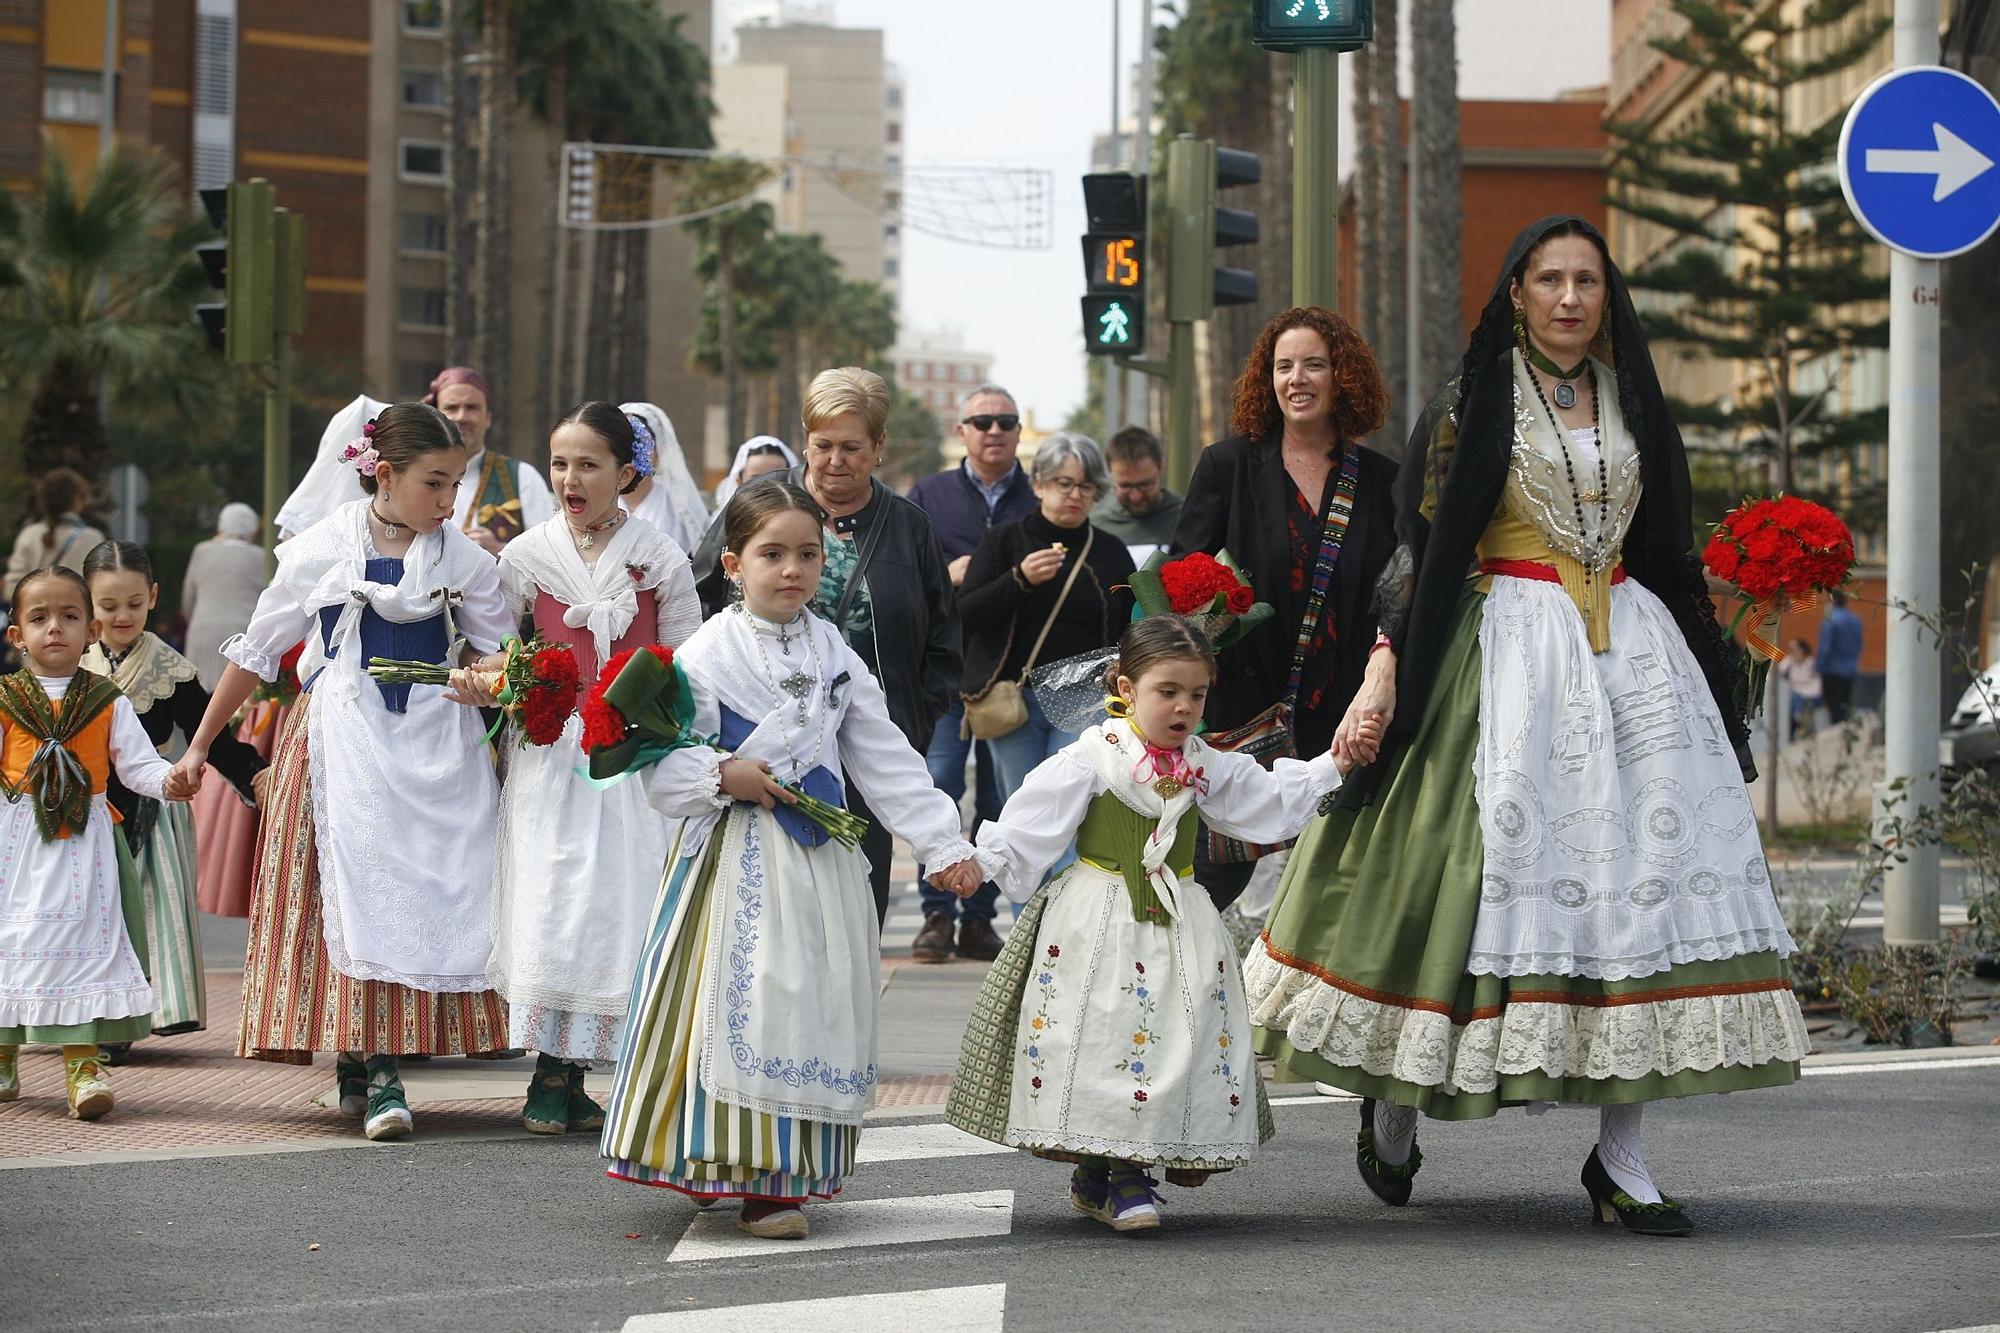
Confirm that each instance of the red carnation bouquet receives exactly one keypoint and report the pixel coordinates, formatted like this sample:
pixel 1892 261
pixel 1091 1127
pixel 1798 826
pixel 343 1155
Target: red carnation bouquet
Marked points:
pixel 641 710
pixel 1780 553
pixel 536 685
pixel 1210 590
pixel 282 692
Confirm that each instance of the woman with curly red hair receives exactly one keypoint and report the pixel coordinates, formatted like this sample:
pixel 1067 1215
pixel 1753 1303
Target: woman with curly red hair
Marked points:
pixel 1308 513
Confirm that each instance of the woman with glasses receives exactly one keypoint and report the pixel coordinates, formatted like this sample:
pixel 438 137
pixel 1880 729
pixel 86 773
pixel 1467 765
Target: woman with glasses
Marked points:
pixel 1050 569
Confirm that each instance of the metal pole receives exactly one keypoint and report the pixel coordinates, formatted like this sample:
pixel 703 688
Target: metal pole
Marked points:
pixel 1180 403
pixel 1910 705
pixel 1316 179
pixel 277 438
pixel 1138 407
pixel 1114 375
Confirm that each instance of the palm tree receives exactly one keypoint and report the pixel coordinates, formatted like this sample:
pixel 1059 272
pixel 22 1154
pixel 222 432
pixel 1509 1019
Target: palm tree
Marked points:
pixel 496 188
pixel 718 182
pixel 1391 276
pixel 461 320
pixel 1435 193
pixel 98 286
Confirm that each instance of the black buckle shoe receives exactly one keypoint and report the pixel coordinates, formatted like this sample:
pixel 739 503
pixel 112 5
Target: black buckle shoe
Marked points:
pixel 1390 1184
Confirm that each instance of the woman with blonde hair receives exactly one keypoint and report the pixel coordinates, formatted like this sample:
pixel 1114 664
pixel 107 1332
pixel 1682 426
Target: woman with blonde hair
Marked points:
pixel 886 587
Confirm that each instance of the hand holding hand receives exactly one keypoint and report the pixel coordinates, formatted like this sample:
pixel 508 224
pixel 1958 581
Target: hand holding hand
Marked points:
pixel 1038 567
pixel 1360 746
pixel 962 879
pixel 957 569
pixel 183 782
pixel 487 541
pixel 751 780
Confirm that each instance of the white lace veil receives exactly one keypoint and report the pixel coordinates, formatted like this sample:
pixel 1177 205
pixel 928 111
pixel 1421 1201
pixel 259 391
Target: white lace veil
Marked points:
pixel 329 483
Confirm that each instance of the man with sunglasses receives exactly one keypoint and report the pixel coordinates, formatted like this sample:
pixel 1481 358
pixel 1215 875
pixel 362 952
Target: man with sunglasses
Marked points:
pixel 987 490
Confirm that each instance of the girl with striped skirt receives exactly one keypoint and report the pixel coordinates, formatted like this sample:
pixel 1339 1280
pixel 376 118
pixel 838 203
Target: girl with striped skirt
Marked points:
pixel 371 913
pixel 749 1055
pixel 163 691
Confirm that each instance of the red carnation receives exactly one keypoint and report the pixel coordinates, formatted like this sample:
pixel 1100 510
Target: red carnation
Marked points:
pixel 603 725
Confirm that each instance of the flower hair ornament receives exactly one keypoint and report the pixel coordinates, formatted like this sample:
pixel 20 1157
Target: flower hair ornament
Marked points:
pixel 361 455
pixel 645 449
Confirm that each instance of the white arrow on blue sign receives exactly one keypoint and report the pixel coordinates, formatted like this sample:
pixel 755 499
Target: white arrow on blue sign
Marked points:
pixel 1920 161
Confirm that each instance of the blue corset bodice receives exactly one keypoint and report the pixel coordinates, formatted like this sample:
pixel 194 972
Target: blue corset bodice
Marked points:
pixel 417 640
pixel 821 784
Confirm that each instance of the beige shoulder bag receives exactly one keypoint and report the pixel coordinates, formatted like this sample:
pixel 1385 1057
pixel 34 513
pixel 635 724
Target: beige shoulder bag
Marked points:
pixel 1002 707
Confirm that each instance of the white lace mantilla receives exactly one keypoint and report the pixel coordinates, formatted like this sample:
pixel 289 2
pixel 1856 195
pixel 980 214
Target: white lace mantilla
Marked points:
pixel 1629 1041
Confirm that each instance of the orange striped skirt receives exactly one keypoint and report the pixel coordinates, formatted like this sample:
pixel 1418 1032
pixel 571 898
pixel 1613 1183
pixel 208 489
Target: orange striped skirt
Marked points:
pixel 294 1002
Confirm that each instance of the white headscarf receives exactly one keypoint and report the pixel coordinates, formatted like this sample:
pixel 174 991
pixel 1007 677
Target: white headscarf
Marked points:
pixel 237 520
pixel 670 474
pixel 329 483
pixel 734 479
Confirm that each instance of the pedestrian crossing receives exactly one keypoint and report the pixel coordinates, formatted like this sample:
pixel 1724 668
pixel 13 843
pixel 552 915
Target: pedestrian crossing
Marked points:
pixel 919 1219
pixel 973 1309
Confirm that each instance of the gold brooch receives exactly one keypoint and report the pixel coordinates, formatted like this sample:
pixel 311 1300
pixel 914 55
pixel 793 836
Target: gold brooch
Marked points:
pixel 1168 788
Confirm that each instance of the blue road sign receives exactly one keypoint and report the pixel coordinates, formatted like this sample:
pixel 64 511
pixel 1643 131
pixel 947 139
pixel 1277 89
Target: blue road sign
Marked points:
pixel 1920 161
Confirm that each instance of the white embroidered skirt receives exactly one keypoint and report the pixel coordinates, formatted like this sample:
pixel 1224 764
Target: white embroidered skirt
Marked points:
pixel 1133 1039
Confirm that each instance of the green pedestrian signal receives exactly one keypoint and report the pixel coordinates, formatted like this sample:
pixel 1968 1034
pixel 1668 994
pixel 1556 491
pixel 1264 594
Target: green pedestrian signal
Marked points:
pixel 1114 263
pixel 1293 25
pixel 1113 325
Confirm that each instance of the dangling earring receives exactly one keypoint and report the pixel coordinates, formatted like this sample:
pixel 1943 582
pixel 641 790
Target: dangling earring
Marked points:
pixel 1118 706
pixel 1521 329
pixel 1600 346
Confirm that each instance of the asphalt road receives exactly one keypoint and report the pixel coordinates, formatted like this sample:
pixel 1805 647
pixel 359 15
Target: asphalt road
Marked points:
pixel 1860 1200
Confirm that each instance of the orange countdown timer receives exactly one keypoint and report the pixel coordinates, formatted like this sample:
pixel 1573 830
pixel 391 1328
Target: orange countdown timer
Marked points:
pixel 1114 261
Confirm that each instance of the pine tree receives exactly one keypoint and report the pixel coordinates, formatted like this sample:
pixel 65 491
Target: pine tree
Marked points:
pixel 1763 266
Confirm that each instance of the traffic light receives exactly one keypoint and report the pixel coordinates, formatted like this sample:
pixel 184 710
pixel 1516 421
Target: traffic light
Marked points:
pixel 1114 264
pixel 257 263
pixel 1196 172
pixel 1292 25
pixel 243 264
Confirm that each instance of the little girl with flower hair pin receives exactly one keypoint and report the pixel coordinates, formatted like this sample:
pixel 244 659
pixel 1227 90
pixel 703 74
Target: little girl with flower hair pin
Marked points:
pixel 1115 1016
pixel 577 865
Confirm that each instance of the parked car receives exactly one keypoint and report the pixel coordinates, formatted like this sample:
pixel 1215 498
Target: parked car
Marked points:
pixel 1972 736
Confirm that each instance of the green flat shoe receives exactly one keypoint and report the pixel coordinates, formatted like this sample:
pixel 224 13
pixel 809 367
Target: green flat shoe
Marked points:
pixel 583 1112
pixel 547 1107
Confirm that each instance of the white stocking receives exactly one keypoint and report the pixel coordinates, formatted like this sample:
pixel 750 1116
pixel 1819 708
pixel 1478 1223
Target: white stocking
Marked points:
pixel 1619 1149
pixel 1395 1131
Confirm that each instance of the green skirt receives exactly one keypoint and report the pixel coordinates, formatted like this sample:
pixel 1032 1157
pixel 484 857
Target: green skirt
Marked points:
pixel 1360 980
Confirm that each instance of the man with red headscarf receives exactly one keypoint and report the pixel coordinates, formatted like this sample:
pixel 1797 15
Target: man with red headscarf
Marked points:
pixel 502 497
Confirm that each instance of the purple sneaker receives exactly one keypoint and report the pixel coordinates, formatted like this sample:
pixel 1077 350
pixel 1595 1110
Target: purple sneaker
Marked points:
pixel 1122 1198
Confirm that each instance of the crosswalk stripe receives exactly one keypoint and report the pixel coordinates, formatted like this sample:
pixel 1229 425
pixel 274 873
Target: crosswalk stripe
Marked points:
pixel 980 1309
pixel 903 1143
pixel 839 1226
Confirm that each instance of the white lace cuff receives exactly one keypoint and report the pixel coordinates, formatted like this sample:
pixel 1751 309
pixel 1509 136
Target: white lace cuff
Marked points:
pixel 246 655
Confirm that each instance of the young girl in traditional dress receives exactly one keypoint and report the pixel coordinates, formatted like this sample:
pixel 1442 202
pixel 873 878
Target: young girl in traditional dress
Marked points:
pixel 72 929
pixel 1112 1032
pixel 578 866
pixel 160 684
pixel 371 914
pixel 749 1057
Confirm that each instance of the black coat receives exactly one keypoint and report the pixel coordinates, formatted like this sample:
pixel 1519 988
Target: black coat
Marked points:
pixel 1002 615
pixel 1238 500
pixel 911 642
